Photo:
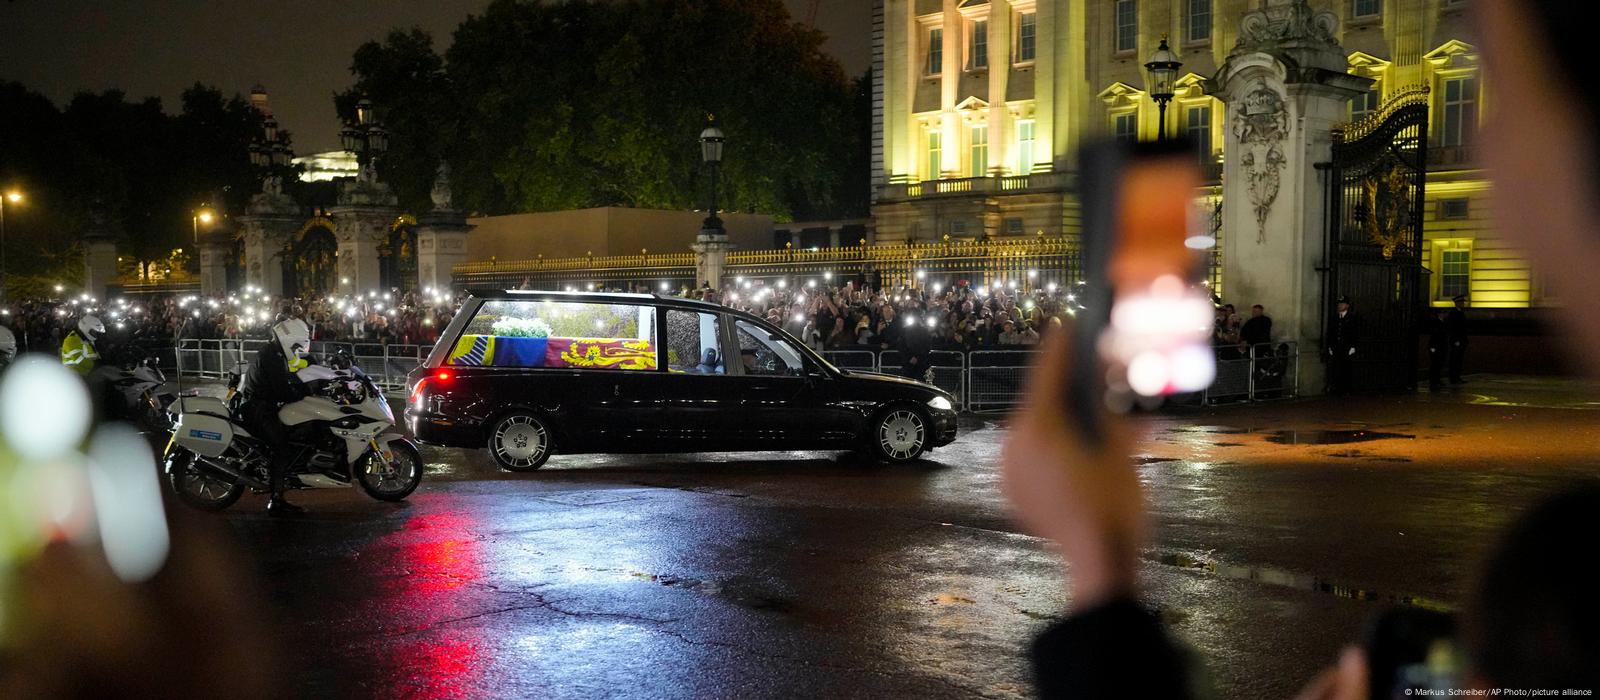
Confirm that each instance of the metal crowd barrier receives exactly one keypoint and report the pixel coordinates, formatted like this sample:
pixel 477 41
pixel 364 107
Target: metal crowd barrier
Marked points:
pixel 980 380
pixel 995 378
pixel 388 365
pixel 947 369
pixel 852 359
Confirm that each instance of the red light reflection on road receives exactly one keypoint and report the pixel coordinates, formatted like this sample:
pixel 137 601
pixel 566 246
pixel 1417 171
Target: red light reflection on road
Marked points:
pixel 438 555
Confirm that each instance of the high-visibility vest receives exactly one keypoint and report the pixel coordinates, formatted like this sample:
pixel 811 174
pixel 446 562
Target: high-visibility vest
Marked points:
pixel 78 353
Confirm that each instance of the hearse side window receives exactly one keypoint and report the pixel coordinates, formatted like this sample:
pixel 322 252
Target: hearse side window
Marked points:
pixel 694 344
pixel 559 335
pixel 763 355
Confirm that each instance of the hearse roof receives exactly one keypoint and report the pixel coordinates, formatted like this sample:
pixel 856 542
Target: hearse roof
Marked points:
pixel 616 297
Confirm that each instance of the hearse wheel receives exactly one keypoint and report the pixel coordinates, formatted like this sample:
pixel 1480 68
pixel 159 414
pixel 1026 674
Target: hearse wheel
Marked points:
pixel 520 442
pixel 900 434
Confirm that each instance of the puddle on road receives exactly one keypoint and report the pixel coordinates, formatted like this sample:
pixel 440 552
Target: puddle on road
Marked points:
pixel 1304 582
pixel 1331 437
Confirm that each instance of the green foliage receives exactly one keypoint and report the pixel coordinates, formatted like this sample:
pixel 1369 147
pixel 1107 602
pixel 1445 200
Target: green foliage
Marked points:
pixel 545 106
pixel 127 166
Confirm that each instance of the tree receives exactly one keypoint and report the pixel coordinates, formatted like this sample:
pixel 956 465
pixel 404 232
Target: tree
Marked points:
pixel 406 77
pixel 133 167
pixel 545 106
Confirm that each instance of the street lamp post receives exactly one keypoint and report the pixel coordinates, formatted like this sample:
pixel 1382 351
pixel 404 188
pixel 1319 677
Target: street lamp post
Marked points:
pixel 711 151
pixel 12 197
pixel 202 215
pixel 365 137
pixel 1161 71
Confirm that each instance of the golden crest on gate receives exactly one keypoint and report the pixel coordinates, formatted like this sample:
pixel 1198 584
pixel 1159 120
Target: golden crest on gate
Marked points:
pixel 1388 205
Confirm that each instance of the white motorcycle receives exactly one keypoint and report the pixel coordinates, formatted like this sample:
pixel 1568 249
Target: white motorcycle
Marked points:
pixel 140 395
pixel 343 433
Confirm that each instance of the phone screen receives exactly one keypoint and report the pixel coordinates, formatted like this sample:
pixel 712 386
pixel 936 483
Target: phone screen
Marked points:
pixel 1147 318
pixel 1413 652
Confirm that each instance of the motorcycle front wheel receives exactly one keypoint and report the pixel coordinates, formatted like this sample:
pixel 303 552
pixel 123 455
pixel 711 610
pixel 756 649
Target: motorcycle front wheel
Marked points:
pixel 391 481
pixel 197 486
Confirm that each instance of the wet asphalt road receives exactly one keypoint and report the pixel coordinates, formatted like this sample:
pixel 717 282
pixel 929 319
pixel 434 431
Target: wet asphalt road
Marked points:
pixel 816 574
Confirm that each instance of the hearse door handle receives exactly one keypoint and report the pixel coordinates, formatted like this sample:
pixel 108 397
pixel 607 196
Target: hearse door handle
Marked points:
pixel 616 389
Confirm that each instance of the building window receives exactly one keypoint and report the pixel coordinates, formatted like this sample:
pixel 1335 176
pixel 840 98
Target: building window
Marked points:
pixel 1025 146
pixel 958 228
pixel 1364 104
pixel 1460 111
pixel 935 154
pixel 1366 8
pixel 980 151
pixel 1453 208
pixel 1455 273
pixel 1198 128
pixel 980 44
pixel 1125 127
pixel 1127 25
pixel 1199 20
pixel 1027 36
pixel 1013 227
pixel 935 51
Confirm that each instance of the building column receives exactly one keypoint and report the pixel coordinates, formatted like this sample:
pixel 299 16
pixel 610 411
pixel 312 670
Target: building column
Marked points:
pixel 1280 111
pixel 215 248
pixel 264 238
pixel 269 220
pixel 441 245
pixel 710 257
pixel 99 264
pixel 360 231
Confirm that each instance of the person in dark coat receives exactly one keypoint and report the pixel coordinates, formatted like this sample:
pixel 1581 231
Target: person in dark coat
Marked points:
pixel 1341 346
pixel 1455 328
pixel 1438 348
pixel 1257 331
pixel 916 344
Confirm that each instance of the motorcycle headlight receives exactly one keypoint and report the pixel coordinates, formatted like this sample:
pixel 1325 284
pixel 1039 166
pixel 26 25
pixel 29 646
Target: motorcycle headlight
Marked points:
pixel 939 403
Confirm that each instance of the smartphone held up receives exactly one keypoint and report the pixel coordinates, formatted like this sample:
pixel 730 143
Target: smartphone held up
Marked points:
pixel 1148 318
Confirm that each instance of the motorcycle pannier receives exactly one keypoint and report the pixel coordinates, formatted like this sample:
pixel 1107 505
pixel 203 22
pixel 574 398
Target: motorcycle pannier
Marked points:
pixel 203 434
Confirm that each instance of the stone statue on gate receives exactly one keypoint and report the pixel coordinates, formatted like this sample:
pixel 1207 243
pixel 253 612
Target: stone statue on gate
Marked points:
pixel 442 197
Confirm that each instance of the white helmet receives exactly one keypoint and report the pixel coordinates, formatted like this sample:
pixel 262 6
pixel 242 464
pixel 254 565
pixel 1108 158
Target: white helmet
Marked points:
pixel 294 336
pixel 90 327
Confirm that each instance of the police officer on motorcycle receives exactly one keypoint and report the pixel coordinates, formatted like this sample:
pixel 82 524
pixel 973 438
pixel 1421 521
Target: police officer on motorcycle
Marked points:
pixel 77 349
pixel 270 384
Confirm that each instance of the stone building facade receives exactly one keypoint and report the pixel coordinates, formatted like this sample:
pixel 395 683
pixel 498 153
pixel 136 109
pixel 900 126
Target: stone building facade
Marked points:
pixel 982 104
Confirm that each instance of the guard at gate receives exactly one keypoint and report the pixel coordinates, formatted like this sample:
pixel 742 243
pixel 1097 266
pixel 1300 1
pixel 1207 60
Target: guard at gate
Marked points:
pixel 1341 347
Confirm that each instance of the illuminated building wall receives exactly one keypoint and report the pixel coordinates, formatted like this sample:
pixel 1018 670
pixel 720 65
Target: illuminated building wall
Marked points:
pixel 982 103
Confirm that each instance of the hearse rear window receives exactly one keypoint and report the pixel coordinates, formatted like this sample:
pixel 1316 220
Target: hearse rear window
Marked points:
pixel 558 334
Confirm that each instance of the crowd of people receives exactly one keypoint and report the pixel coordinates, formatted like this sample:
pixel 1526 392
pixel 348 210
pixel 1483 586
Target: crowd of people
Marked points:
pixel 827 316
pixel 394 317
pixel 856 316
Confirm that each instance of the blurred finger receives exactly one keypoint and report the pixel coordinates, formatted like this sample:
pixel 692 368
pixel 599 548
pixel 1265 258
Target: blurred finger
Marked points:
pixel 1047 388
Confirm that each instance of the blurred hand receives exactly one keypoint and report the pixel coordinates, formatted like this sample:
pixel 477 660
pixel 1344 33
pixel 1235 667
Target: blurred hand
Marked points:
pixel 1347 681
pixel 1085 498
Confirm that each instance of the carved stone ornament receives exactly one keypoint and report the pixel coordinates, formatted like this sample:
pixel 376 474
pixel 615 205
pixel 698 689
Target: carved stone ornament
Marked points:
pixel 441 189
pixel 1388 205
pixel 1261 124
pixel 1291 27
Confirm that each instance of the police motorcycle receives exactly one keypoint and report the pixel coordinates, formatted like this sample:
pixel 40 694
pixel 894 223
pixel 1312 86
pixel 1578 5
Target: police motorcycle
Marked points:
pixel 140 395
pixel 344 433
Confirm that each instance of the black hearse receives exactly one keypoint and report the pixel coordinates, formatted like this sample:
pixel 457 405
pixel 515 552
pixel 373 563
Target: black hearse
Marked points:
pixel 529 374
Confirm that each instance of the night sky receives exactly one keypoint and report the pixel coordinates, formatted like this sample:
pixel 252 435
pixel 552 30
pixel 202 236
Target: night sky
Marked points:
pixel 299 49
